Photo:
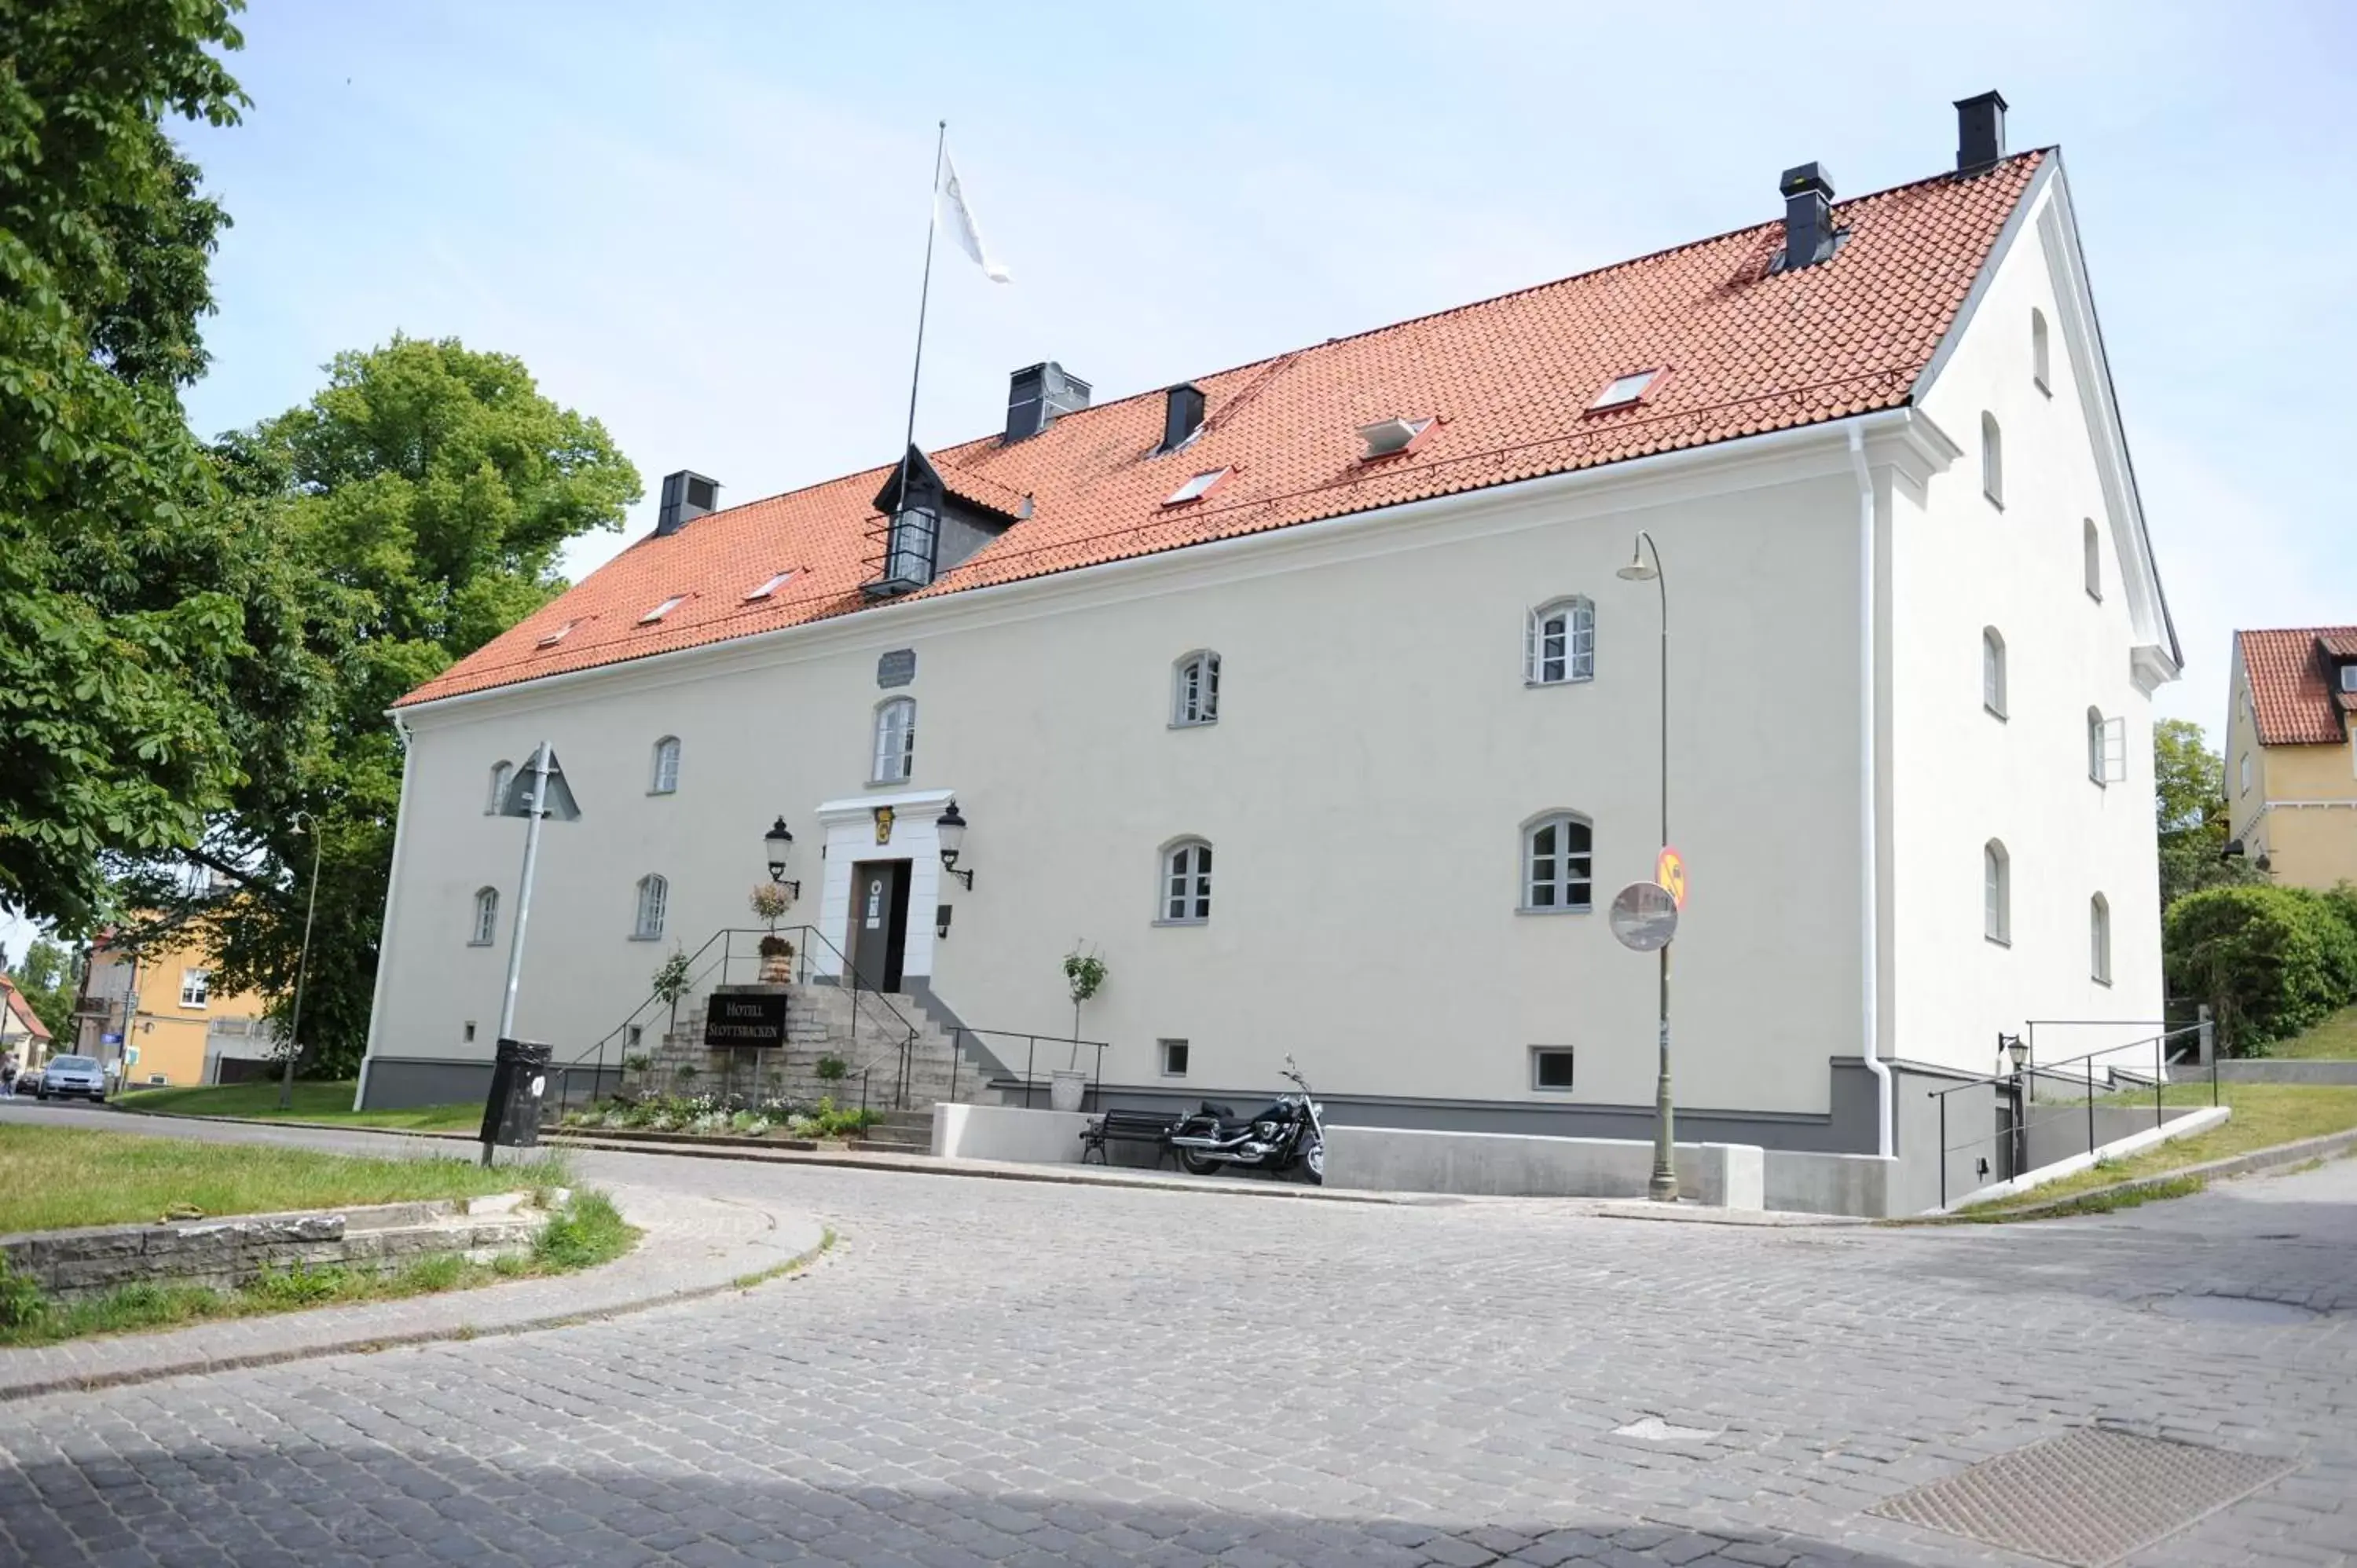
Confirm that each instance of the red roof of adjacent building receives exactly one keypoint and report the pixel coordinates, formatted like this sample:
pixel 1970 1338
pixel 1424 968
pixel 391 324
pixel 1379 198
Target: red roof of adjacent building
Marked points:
pixel 14 1001
pixel 2295 692
pixel 1747 349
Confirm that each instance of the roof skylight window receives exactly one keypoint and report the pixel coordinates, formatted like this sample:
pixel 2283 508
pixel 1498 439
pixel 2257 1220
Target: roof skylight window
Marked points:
pixel 662 609
pixel 1624 390
pixel 1196 488
pixel 550 639
pixel 771 586
pixel 1387 437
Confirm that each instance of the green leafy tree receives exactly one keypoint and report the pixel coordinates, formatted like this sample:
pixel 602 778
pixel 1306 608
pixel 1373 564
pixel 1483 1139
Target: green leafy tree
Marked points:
pixel 48 979
pixel 132 610
pixel 425 493
pixel 2270 961
pixel 2190 813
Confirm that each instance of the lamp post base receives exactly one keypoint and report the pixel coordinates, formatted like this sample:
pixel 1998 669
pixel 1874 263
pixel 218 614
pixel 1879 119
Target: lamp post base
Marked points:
pixel 1663 1187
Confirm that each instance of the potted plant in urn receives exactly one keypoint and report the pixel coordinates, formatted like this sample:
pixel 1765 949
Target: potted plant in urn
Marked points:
pixel 771 901
pixel 1084 975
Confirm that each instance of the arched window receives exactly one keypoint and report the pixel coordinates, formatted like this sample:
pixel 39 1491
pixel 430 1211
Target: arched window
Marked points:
pixel 1992 670
pixel 2095 745
pixel 1559 643
pixel 654 903
pixel 1992 460
pixel 896 741
pixel 2099 940
pixel 1186 883
pixel 1558 856
pixel 487 917
pixel 1195 689
pixel 666 772
pixel 500 773
pixel 2038 353
pixel 2092 560
pixel 1997 893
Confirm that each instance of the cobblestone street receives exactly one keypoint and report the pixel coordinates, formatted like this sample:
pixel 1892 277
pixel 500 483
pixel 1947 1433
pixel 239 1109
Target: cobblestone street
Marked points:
pixel 996 1372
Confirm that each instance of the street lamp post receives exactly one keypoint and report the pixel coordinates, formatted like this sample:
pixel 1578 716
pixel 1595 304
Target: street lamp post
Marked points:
pixel 305 822
pixel 1664 1186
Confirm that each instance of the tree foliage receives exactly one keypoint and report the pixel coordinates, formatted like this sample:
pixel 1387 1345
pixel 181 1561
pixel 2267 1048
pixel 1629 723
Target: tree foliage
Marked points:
pixel 426 492
pixel 47 980
pixel 2190 813
pixel 2270 961
pixel 130 609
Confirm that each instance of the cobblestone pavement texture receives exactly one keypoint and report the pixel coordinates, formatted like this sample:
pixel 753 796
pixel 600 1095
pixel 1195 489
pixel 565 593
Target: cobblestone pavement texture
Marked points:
pixel 1004 1373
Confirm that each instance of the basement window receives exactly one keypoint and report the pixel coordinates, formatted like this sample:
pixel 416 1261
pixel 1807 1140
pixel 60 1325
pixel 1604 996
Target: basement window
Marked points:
pixel 1174 1057
pixel 1390 437
pixel 1624 390
pixel 1550 1069
pixel 550 639
pixel 662 609
pixel 1196 488
pixel 771 586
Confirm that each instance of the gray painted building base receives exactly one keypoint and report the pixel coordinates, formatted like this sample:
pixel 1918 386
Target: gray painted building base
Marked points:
pixel 2289 1070
pixel 399 1084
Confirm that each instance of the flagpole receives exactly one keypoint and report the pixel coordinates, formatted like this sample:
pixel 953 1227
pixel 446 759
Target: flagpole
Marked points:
pixel 924 295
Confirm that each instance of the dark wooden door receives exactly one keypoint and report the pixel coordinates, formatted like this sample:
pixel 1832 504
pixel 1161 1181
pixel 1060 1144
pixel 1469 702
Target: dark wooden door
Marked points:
pixel 880 922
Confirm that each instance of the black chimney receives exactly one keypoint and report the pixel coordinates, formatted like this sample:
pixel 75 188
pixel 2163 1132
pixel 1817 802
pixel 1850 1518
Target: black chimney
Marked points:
pixel 686 497
pixel 1037 395
pixel 1808 217
pixel 1980 133
pixel 1182 415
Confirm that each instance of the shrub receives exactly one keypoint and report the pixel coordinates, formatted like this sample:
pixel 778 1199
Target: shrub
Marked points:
pixel 2271 962
pixel 832 1069
pixel 22 1305
pixel 590 1232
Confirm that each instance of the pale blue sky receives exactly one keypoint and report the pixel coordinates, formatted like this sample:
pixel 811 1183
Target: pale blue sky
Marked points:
pixel 703 223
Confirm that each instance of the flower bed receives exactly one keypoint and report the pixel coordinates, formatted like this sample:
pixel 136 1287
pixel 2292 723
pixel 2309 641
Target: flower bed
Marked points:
pixel 728 1116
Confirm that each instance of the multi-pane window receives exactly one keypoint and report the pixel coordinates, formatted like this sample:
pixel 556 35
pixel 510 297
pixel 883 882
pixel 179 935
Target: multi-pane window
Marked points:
pixel 1559 643
pixel 1174 1057
pixel 486 917
pixel 1186 882
pixel 654 902
pixel 2107 748
pixel 896 741
pixel 1997 893
pixel 1558 853
pixel 1992 459
pixel 666 771
pixel 500 773
pixel 196 986
pixel 1195 689
pixel 2092 563
pixel 909 554
pixel 1992 670
pixel 2099 938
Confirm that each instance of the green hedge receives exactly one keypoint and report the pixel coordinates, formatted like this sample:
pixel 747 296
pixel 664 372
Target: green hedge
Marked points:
pixel 2271 962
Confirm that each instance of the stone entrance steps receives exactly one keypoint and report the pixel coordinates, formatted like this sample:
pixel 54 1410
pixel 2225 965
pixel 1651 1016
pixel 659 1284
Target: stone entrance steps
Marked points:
pixel 903 1132
pixel 864 1032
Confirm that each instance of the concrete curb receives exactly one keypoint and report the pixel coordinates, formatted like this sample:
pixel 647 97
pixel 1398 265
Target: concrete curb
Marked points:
pixel 2256 1162
pixel 770 1249
pixel 291 1122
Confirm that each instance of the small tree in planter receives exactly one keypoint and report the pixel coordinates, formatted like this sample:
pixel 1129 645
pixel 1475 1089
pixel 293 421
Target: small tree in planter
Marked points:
pixel 1084 976
pixel 670 983
pixel 769 901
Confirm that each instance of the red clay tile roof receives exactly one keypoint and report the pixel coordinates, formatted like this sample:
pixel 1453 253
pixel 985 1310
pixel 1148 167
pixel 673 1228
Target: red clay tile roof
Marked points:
pixel 2292 682
pixel 15 1002
pixel 1748 351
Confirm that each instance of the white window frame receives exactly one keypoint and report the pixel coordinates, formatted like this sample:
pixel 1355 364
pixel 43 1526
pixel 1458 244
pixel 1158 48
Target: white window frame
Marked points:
pixel 2246 773
pixel 2107 748
pixel 501 771
pixel 1997 894
pixel 487 917
pixel 1162 1051
pixel 1184 895
pixel 653 907
pixel 195 987
pixel 1540 1052
pixel 2099 940
pixel 1992 461
pixel 894 758
pixel 2041 353
pixel 1195 690
pixel 1565 655
pixel 2349 677
pixel 1565 894
pixel 1992 670
pixel 772 585
pixel 662 609
pixel 666 766
pixel 2091 564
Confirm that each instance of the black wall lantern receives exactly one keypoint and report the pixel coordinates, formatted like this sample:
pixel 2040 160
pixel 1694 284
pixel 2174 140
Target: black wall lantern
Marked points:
pixel 779 842
pixel 951 828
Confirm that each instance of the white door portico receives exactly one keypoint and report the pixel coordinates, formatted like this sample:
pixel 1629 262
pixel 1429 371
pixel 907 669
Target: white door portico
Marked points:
pixel 857 829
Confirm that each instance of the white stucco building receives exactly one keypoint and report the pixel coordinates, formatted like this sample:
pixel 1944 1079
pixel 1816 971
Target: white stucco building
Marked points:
pixel 1308 695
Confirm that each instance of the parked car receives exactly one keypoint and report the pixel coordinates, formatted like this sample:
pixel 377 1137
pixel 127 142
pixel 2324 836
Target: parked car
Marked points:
pixel 68 1078
pixel 29 1081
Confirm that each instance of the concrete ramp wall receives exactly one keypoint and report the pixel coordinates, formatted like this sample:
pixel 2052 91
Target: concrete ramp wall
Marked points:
pixel 1510 1165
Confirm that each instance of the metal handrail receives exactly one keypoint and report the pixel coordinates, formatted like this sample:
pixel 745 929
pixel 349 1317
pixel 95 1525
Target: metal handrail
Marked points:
pixel 1031 1043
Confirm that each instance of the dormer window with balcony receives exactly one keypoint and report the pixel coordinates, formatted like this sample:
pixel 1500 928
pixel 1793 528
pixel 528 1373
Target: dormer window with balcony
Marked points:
pixel 933 523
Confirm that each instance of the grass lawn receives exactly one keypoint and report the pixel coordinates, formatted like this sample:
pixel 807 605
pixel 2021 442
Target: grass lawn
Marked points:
pixel 2265 1114
pixel 59 1176
pixel 313 1103
pixel 2335 1038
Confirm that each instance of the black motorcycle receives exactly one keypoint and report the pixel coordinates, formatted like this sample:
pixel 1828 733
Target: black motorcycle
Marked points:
pixel 1287 1134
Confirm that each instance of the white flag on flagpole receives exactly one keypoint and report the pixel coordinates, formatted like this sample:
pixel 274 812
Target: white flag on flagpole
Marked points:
pixel 962 223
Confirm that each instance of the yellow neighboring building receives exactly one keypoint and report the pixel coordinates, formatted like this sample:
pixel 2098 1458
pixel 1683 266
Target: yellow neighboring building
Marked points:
pixel 2291 753
pixel 155 1017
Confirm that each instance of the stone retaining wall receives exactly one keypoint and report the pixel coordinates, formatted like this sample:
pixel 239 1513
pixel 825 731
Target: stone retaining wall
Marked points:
pixel 233 1250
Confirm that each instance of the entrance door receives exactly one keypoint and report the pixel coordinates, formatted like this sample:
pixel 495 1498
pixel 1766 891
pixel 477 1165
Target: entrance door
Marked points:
pixel 879 922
